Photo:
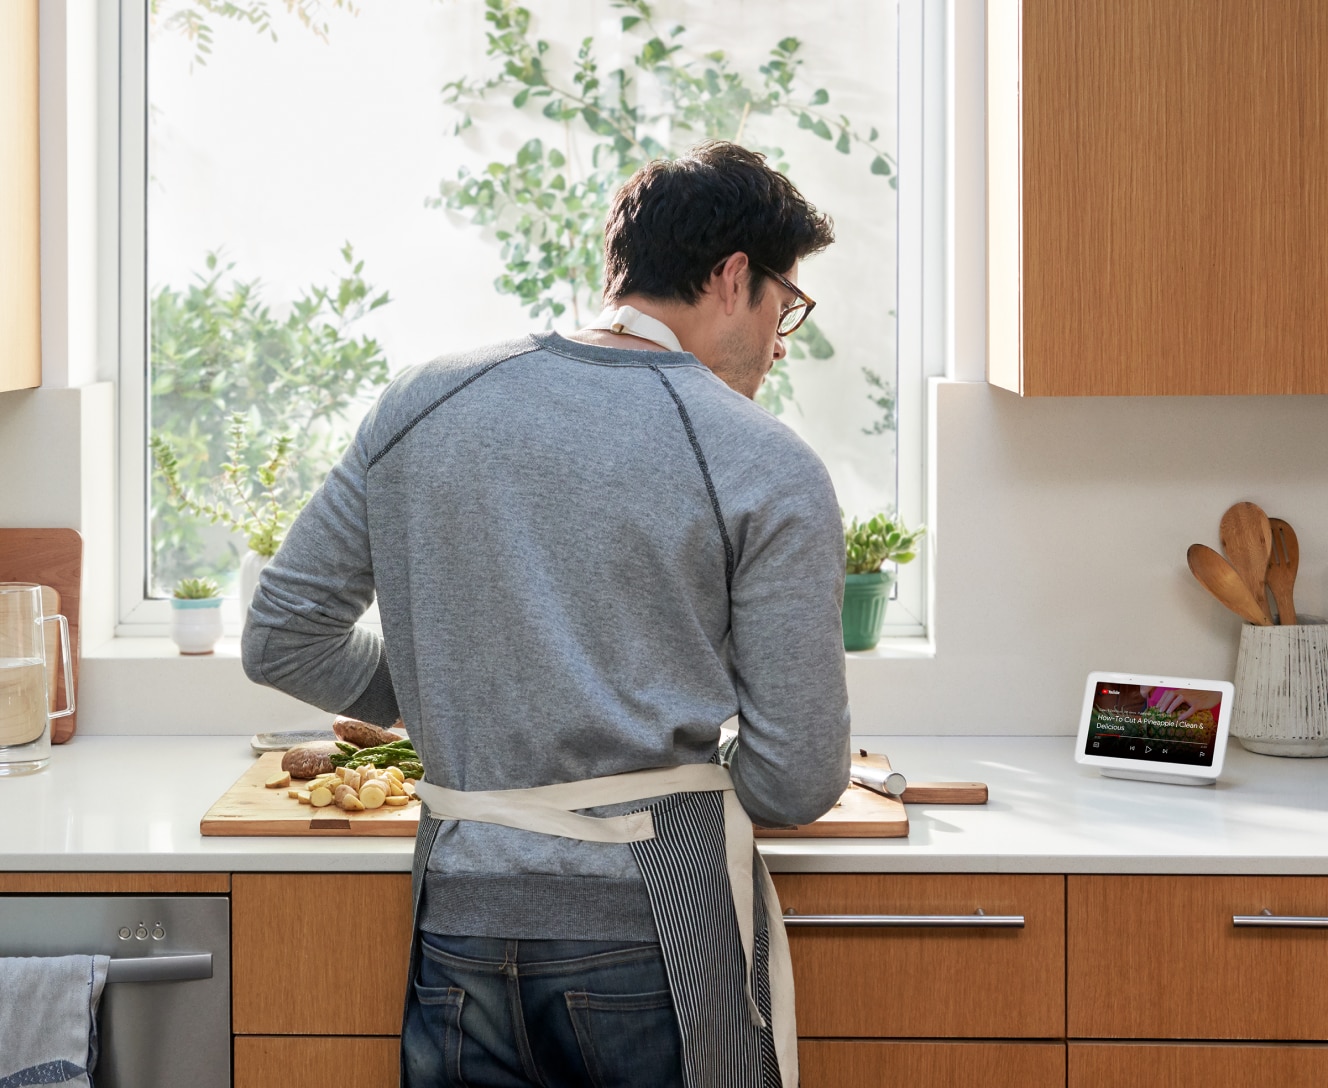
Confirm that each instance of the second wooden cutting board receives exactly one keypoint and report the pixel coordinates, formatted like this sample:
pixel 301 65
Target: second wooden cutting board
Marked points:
pixel 250 808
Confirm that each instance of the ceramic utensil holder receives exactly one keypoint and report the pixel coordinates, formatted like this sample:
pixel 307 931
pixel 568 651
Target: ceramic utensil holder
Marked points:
pixel 1281 705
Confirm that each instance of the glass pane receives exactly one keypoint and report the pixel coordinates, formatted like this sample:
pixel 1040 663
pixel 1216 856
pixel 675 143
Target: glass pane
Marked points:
pixel 340 191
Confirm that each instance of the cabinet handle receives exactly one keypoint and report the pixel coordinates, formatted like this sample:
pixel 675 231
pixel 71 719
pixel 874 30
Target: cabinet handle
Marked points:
pixel 978 919
pixel 1268 919
pixel 160 968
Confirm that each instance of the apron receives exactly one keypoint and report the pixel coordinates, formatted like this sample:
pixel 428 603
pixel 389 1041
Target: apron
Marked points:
pixel 630 320
pixel 715 907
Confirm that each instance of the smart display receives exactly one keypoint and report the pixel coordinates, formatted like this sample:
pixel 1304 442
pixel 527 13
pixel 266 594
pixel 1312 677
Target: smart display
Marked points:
pixel 1158 728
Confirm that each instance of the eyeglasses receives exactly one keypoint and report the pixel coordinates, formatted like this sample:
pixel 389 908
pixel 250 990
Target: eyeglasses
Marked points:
pixel 790 317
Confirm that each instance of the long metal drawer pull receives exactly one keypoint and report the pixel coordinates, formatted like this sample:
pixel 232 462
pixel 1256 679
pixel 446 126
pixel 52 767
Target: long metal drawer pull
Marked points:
pixel 1278 921
pixel 160 968
pixel 978 918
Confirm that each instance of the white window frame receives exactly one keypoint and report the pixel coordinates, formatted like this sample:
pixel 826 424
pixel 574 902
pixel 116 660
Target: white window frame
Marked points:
pixel 920 304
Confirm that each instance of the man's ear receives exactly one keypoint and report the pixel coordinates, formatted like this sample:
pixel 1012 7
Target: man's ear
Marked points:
pixel 731 282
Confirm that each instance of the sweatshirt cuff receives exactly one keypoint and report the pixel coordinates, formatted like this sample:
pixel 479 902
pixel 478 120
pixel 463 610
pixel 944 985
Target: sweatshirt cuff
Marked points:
pixel 377 703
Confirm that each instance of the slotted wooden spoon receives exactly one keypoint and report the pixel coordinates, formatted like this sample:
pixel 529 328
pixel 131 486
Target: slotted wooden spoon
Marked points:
pixel 1219 577
pixel 1282 566
pixel 1247 540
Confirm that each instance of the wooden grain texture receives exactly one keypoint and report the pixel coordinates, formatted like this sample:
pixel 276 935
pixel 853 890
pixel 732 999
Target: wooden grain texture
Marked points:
pixel 20 199
pixel 113 883
pixel 859 814
pixel 352 930
pixel 1247 541
pixel 1189 1065
pixel 248 807
pixel 872 1064
pixel 1175 197
pixel 1156 957
pixel 928 983
pixel 51 557
pixel 262 1061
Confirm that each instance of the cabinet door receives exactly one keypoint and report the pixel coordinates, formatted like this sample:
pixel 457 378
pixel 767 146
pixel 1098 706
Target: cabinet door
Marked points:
pixel 826 1064
pixel 1158 957
pixel 1166 163
pixel 293 1061
pixel 921 981
pixel 1182 1065
pixel 319 954
pixel 20 278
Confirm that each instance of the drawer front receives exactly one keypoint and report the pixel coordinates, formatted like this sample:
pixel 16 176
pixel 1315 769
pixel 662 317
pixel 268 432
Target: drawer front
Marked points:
pixel 1181 1065
pixel 870 1064
pixel 1155 957
pixel 921 981
pixel 294 1061
pixel 319 954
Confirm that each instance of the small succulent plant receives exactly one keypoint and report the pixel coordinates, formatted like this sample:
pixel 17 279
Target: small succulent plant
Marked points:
pixel 196 589
pixel 881 539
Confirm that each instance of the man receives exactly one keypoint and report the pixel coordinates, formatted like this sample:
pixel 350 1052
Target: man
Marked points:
pixel 588 554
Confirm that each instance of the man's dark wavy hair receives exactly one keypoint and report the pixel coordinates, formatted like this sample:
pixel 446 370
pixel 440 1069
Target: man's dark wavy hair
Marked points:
pixel 675 221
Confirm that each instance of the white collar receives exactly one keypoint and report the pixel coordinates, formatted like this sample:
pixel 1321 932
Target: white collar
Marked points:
pixel 627 319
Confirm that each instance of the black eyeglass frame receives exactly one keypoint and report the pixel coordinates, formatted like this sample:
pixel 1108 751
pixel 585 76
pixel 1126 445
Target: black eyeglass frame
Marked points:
pixel 808 303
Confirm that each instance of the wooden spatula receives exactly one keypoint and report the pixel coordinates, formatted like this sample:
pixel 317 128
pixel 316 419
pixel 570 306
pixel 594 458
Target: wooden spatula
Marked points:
pixel 1282 566
pixel 1247 540
pixel 1219 577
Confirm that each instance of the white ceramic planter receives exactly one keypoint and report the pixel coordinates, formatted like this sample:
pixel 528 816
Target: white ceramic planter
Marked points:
pixel 196 624
pixel 251 566
pixel 1281 704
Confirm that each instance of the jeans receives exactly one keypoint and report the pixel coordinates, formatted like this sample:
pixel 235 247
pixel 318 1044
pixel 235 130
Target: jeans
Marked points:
pixel 490 1013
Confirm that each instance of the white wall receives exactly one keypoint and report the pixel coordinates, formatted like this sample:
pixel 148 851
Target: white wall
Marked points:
pixel 1060 530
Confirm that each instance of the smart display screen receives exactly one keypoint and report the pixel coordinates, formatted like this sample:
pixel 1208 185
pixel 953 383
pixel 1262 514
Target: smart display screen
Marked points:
pixel 1154 724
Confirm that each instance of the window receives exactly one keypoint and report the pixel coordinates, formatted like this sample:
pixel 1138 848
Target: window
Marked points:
pixel 317 194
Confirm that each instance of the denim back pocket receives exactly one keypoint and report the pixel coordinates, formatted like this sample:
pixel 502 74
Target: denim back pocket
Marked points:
pixel 441 1007
pixel 627 1040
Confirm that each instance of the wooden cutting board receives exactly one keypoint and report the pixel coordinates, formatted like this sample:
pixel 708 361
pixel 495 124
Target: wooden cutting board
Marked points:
pixel 250 808
pixel 50 557
pixel 859 814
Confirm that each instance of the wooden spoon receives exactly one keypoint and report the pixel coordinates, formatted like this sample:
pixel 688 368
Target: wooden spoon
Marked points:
pixel 1282 566
pixel 1247 540
pixel 1219 577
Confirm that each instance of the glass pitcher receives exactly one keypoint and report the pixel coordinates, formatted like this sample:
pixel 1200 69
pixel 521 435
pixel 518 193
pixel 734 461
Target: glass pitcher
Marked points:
pixel 25 714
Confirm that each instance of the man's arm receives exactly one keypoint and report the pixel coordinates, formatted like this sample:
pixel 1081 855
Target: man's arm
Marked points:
pixel 792 760
pixel 301 634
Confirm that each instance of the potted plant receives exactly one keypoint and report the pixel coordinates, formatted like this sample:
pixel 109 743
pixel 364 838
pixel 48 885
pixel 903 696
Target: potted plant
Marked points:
pixel 196 615
pixel 253 501
pixel 868 546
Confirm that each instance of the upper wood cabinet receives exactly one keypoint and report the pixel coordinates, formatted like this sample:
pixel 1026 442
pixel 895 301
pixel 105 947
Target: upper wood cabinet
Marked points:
pixel 20 286
pixel 1157 196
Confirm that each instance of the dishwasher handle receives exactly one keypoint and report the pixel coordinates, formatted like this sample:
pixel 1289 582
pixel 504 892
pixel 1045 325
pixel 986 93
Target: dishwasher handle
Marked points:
pixel 978 919
pixel 160 968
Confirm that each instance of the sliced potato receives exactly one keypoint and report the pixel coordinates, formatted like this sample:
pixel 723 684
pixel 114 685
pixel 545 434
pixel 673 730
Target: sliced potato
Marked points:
pixel 321 797
pixel 372 795
pixel 397 801
pixel 278 781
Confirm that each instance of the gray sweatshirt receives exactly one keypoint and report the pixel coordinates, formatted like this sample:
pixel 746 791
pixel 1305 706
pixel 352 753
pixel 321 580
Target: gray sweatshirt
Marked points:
pixel 586 560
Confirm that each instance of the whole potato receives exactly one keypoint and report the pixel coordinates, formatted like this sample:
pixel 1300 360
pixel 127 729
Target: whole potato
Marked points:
pixel 310 760
pixel 362 734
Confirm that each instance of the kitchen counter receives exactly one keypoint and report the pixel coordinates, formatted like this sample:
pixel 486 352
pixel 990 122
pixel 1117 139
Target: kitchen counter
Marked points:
pixel 134 804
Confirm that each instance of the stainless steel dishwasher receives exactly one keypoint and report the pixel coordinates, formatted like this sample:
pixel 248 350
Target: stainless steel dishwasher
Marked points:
pixel 165 1017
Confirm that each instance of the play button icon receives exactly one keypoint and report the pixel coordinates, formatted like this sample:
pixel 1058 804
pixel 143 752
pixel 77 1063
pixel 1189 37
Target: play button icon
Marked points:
pixel 1147 750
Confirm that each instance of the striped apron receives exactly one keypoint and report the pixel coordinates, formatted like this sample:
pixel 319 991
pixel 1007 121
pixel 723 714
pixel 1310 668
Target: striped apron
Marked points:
pixel 714 905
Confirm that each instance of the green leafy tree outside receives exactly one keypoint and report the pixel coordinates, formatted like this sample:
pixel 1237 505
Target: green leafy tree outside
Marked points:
pixel 548 205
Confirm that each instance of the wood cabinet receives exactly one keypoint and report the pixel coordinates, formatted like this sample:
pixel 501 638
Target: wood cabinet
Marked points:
pixel 1190 1065
pixel 825 1063
pixel 289 930
pixel 1158 196
pixel 921 980
pixel 294 1061
pixel 1158 957
pixel 20 228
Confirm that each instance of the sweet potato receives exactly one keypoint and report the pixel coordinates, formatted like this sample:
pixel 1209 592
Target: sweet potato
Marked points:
pixel 362 734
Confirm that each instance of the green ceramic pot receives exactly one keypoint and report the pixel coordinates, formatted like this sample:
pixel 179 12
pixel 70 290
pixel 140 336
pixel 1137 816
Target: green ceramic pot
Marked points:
pixel 865 597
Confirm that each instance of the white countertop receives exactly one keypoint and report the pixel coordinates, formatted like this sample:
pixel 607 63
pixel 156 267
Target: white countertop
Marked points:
pixel 134 804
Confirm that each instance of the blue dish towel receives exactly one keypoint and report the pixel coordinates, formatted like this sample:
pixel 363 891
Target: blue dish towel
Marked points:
pixel 48 1019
